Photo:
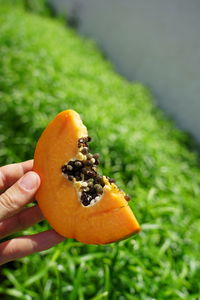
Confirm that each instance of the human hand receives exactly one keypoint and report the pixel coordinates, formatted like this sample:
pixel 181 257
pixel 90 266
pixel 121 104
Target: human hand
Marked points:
pixel 18 184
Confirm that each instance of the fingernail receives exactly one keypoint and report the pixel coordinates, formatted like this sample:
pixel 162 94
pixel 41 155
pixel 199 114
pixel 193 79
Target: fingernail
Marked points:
pixel 29 181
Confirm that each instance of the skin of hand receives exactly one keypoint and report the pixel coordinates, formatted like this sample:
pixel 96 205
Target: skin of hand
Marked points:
pixel 18 185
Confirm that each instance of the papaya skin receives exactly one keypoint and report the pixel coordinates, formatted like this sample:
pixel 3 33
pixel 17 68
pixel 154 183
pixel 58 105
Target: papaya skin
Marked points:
pixel 108 220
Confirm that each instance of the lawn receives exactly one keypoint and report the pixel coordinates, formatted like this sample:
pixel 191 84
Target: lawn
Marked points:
pixel 45 68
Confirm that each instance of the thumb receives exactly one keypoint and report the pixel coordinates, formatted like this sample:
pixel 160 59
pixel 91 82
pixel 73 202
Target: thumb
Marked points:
pixel 18 195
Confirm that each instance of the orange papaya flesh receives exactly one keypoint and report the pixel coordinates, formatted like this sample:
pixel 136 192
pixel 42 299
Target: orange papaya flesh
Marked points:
pixel 78 202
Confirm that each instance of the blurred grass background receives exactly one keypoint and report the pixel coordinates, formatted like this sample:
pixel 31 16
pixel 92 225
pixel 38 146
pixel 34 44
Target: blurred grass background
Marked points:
pixel 45 68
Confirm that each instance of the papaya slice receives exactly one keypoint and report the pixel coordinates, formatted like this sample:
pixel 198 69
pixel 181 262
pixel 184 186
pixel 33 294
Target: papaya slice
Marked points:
pixel 78 202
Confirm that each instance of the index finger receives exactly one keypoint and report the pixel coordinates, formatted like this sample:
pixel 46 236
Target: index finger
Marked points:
pixel 26 245
pixel 9 174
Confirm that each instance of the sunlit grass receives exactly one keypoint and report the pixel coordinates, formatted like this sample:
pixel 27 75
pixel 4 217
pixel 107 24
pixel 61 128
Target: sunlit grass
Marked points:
pixel 46 68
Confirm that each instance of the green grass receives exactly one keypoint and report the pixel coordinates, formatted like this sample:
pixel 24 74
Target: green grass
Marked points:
pixel 46 68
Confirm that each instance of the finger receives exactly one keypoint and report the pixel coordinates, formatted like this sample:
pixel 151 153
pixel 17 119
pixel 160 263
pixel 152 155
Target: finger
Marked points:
pixel 11 173
pixel 22 246
pixel 18 195
pixel 21 221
